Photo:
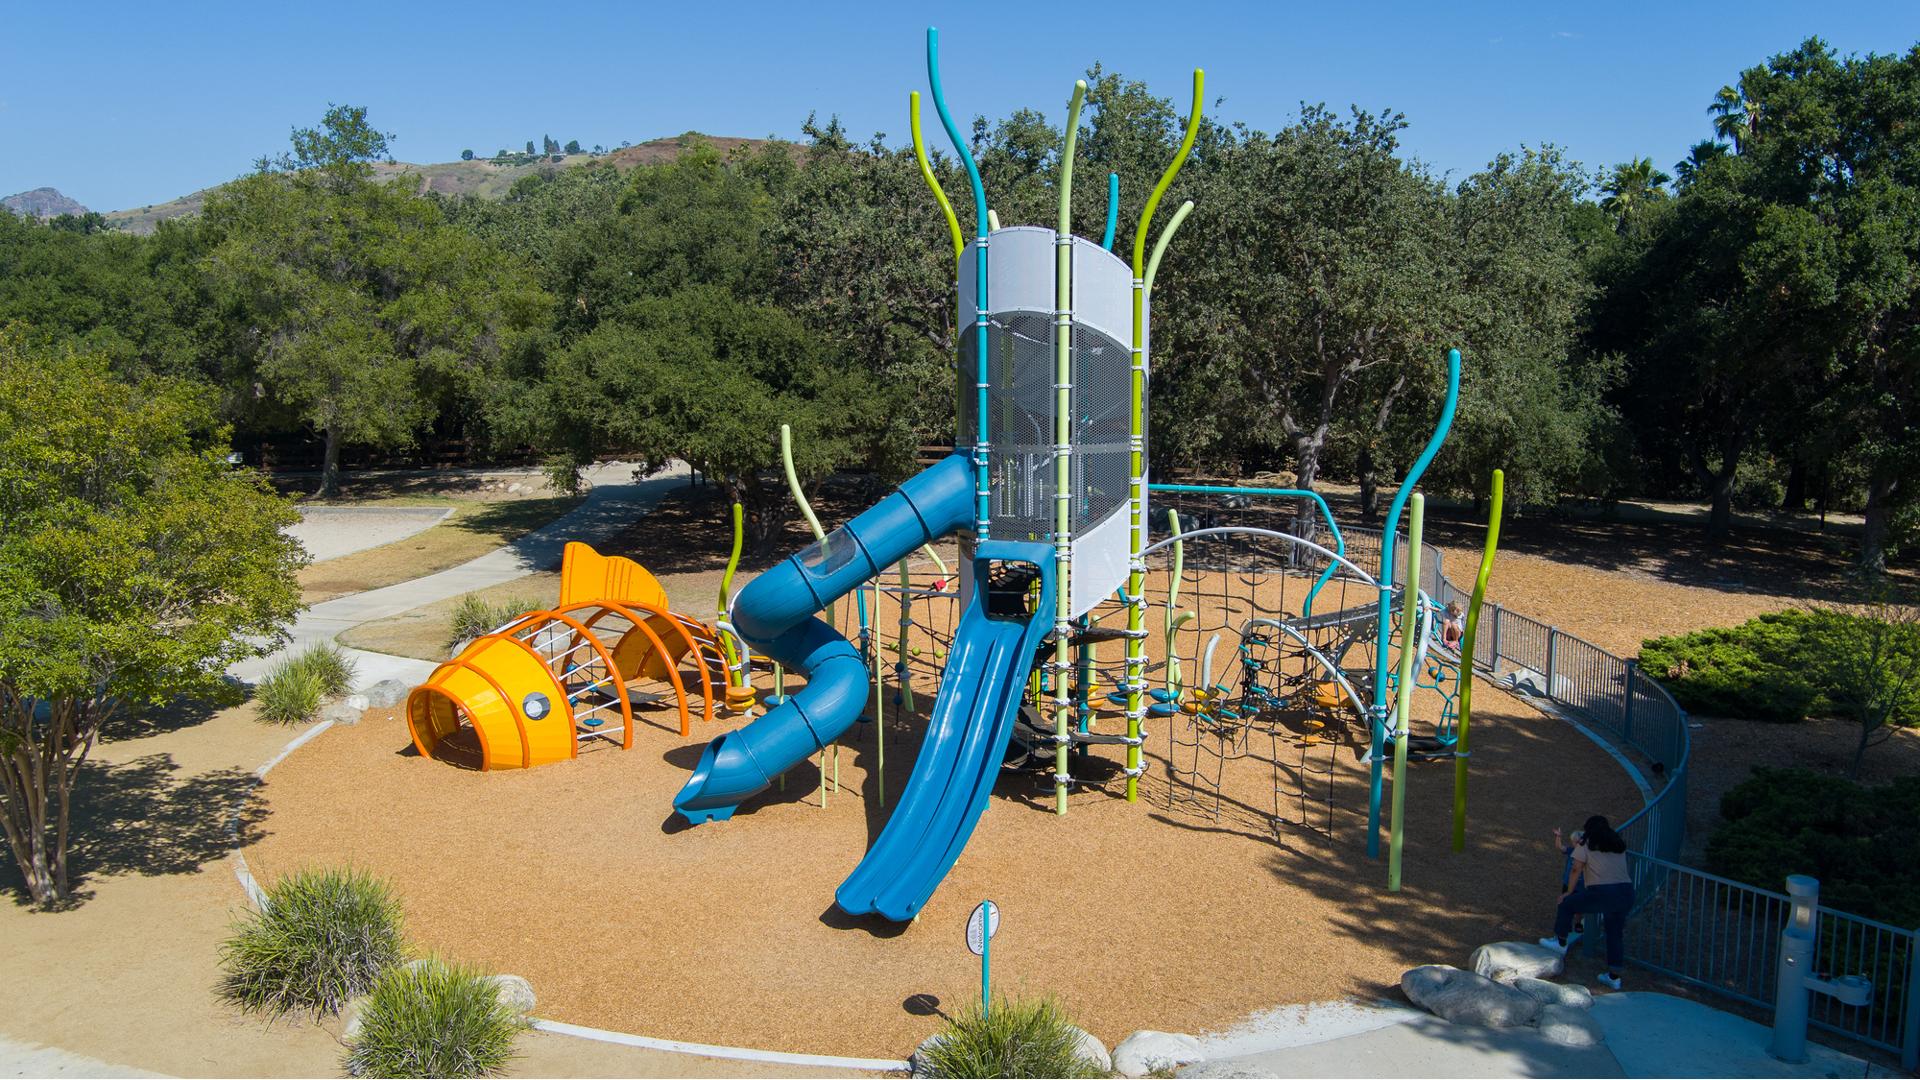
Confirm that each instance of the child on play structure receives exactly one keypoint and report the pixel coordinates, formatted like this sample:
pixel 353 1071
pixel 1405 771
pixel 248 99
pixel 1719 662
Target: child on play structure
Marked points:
pixel 1454 626
pixel 1599 884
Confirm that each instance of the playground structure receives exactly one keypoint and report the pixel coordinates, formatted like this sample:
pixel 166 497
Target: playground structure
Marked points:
pixel 550 681
pixel 1269 630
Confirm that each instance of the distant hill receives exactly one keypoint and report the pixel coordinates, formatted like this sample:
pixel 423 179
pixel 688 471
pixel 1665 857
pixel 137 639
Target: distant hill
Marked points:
pixel 481 177
pixel 43 202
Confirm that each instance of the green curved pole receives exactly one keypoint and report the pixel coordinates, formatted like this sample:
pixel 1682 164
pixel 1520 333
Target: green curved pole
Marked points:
pixel 1467 641
pixel 1403 701
pixel 1062 447
pixel 736 659
pixel 1166 237
pixel 933 181
pixel 993 221
pixel 1136 667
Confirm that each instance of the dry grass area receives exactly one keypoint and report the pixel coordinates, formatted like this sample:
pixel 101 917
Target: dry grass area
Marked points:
pixel 475 527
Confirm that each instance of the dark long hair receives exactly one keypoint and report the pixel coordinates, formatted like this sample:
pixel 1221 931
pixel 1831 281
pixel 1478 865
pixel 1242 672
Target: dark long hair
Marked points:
pixel 1601 837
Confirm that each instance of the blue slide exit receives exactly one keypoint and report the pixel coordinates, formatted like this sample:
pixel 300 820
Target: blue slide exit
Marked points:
pixel 966 740
pixel 775 615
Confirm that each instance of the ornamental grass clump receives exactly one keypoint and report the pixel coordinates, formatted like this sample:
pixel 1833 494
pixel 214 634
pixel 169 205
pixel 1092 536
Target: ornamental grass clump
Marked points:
pixel 433 1019
pixel 322 938
pixel 475 615
pixel 1028 1037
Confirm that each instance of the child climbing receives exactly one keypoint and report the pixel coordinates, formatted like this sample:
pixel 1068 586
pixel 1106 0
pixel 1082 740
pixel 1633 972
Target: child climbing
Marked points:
pixel 1600 865
pixel 1454 627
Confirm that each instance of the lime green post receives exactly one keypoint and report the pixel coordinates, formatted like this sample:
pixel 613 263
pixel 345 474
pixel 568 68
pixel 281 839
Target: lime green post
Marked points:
pixel 1062 448
pixel 737 659
pixel 1403 696
pixel 1467 642
pixel 1136 667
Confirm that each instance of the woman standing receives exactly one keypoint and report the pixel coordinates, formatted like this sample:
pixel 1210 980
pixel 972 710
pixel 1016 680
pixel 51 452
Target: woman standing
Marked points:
pixel 1600 884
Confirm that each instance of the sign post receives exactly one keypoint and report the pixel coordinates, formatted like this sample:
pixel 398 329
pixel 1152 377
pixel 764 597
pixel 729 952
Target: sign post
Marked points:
pixel 981 926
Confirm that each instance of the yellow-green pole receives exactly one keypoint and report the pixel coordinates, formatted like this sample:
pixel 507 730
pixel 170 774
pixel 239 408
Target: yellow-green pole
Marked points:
pixel 1062 448
pixel 737 660
pixel 1403 698
pixel 1137 445
pixel 1467 642
pixel 946 209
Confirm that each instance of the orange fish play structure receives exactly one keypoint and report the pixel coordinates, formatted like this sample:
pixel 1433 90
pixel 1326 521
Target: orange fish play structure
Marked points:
pixel 550 681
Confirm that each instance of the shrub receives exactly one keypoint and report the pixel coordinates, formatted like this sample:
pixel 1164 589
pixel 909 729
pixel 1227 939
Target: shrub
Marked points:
pixel 1795 821
pixel 475 615
pixel 322 938
pixel 330 664
pixel 1030 1037
pixel 290 694
pixel 1779 666
pixel 433 1019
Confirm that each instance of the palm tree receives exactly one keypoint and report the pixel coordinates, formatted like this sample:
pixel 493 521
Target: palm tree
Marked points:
pixel 1735 116
pixel 1631 187
pixel 1704 151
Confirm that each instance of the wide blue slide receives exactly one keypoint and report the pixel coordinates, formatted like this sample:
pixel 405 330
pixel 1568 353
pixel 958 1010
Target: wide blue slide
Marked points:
pixel 980 691
pixel 966 740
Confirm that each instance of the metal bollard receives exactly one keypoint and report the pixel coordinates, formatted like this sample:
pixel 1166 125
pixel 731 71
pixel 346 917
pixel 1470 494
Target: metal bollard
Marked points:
pixel 1794 984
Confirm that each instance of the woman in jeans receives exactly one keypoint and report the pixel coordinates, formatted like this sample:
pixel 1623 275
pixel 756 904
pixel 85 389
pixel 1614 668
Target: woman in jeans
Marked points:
pixel 1599 884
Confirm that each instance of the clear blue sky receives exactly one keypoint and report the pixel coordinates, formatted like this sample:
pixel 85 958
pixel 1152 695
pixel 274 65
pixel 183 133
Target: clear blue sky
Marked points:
pixel 126 105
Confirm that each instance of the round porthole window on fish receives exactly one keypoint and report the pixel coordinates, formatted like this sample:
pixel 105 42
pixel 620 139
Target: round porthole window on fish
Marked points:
pixel 536 705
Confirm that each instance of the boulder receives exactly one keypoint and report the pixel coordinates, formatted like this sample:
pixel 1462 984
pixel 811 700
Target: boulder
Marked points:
pixel 515 993
pixel 1570 1027
pixel 1146 1052
pixel 1553 993
pixel 1463 997
pixel 1505 961
pixel 1092 1051
pixel 917 1061
pixel 386 693
pixel 350 1018
pixel 341 712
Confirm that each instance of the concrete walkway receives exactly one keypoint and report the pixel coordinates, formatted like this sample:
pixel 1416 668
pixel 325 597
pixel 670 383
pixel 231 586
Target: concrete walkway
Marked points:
pixel 328 532
pixel 612 504
pixel 31 1059
pixel 1648 1035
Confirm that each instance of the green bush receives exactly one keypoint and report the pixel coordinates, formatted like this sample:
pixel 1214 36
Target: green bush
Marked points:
pixel 330 664
pixel 1030 1037
pixel 433 1019
pixel 322 938
pixel 475 615
pixel 1794 821
pixel 290 694
pixel 1779 666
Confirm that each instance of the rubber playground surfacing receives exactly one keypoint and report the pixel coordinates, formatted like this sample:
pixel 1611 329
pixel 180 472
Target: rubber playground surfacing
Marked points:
pixel 1150 914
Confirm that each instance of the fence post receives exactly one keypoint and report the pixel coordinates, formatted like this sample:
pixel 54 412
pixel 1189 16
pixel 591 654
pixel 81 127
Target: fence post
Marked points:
pixel 1494 667
pixel 1553 660
pixel 1626 719
pixel 1910 1026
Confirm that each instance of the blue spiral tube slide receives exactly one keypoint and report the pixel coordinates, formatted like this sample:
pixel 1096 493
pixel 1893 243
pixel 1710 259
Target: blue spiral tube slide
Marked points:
pixel 775 614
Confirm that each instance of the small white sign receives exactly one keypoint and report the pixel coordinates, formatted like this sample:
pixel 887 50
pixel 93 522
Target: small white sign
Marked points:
pixel 984 923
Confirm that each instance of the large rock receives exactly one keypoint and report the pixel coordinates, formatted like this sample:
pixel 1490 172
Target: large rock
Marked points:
pixel 917 1061
pixel 350 1018
pixel 1505 961
pixel 1570 1027
pixel 1463 997
pixel 1146 1052
pixel 1553 993
pixel 1091 1050
pixel 342 712
pixel 386 693
pixel 515 992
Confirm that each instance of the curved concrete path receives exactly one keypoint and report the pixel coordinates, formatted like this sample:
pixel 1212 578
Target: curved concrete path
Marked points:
pixel 613 502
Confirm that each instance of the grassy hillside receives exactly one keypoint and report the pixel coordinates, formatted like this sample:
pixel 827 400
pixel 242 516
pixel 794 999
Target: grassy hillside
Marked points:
pixel 480 178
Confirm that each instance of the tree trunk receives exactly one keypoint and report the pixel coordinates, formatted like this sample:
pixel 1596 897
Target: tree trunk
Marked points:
pixel 1795 499
pixel 1719 484
pixel 330 466
pixel 1860 751
pixel 1879 516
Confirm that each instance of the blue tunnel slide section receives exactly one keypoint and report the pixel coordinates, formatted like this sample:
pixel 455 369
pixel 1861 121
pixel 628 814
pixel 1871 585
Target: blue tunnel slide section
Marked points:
pixel 972 717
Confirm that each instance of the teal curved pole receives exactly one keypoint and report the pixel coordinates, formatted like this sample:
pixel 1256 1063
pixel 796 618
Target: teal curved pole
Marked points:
pixel 1113 209
pixel 1384 632
pixel 980 444
pixel 1326 513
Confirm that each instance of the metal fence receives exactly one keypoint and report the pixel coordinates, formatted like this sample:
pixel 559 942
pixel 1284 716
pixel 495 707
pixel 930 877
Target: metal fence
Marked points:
pixel 1708 931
